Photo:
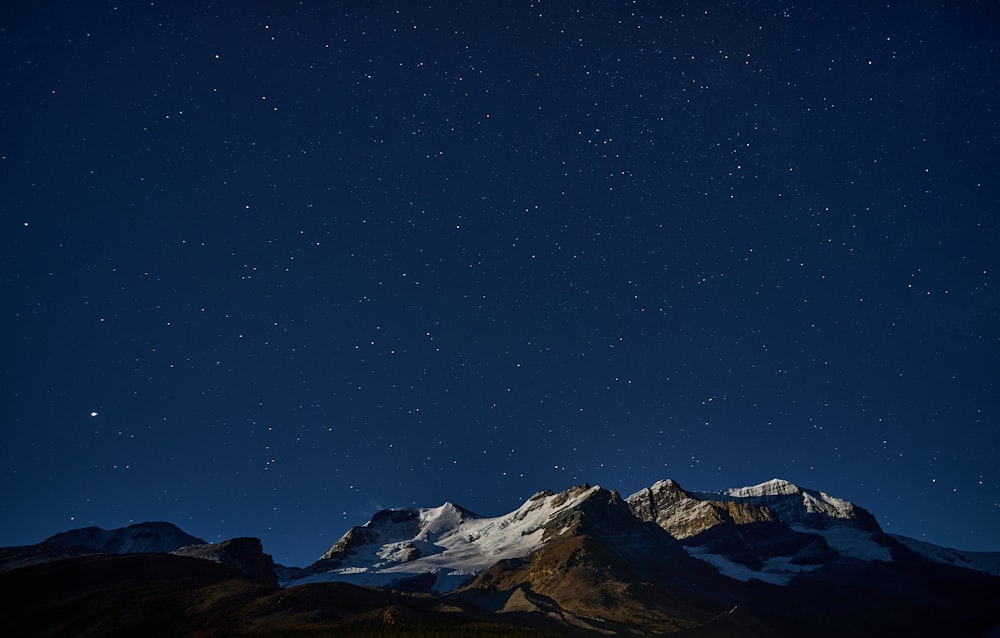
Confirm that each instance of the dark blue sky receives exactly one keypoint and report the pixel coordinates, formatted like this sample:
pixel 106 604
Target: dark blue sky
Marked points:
pixel 268 267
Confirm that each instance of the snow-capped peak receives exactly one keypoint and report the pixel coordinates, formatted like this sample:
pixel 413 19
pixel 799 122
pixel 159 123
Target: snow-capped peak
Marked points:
pixel 447 541
pixel 774 487
pixel 770 531
pixel 664 484
pixel 436 521
pixel 800 506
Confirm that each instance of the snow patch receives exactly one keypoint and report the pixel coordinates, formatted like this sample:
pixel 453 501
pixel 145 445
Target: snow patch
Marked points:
pixel 850 542
pixel 988 562
pixel 777 571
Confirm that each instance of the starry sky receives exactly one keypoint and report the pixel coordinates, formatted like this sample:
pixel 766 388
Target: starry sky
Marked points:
pixel 270 266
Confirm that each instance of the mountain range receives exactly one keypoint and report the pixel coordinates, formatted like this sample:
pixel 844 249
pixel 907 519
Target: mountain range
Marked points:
pixel 769 560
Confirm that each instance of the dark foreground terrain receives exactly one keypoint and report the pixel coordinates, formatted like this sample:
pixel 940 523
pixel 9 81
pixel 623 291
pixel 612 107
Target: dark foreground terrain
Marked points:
pixel 165 595
pixel 168 595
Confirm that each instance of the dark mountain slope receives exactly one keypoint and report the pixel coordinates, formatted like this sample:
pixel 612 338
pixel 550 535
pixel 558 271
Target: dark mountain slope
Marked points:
pixel 161 595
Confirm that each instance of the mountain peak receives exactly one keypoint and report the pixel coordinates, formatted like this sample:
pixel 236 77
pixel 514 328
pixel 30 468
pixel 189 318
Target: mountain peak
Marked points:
pixel 773 487
pixel 155 537
pixel 245 554
pixel 770 531
pixel 402 546
pixel 797 505
pixel 140 537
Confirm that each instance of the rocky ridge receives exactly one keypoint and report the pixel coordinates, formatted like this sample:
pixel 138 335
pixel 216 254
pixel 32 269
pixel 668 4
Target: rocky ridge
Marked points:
pixel 245 554
pixel 772 531
pixel 154 537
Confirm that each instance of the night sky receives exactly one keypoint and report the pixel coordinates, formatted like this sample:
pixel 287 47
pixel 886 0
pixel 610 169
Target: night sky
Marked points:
pixel 268 267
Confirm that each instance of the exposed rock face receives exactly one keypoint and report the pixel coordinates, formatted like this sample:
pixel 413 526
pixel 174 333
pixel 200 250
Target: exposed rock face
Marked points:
pixel 770 531
pixel 607 571
pixel 800 506
pixel 684 515
pixel 245 554
pixel 601 511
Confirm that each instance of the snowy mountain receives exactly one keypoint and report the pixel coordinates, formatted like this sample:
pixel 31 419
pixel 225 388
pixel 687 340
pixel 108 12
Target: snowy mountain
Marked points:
pixel 666 558
pixel 443 546
pixel 771 532
pixel 769 560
